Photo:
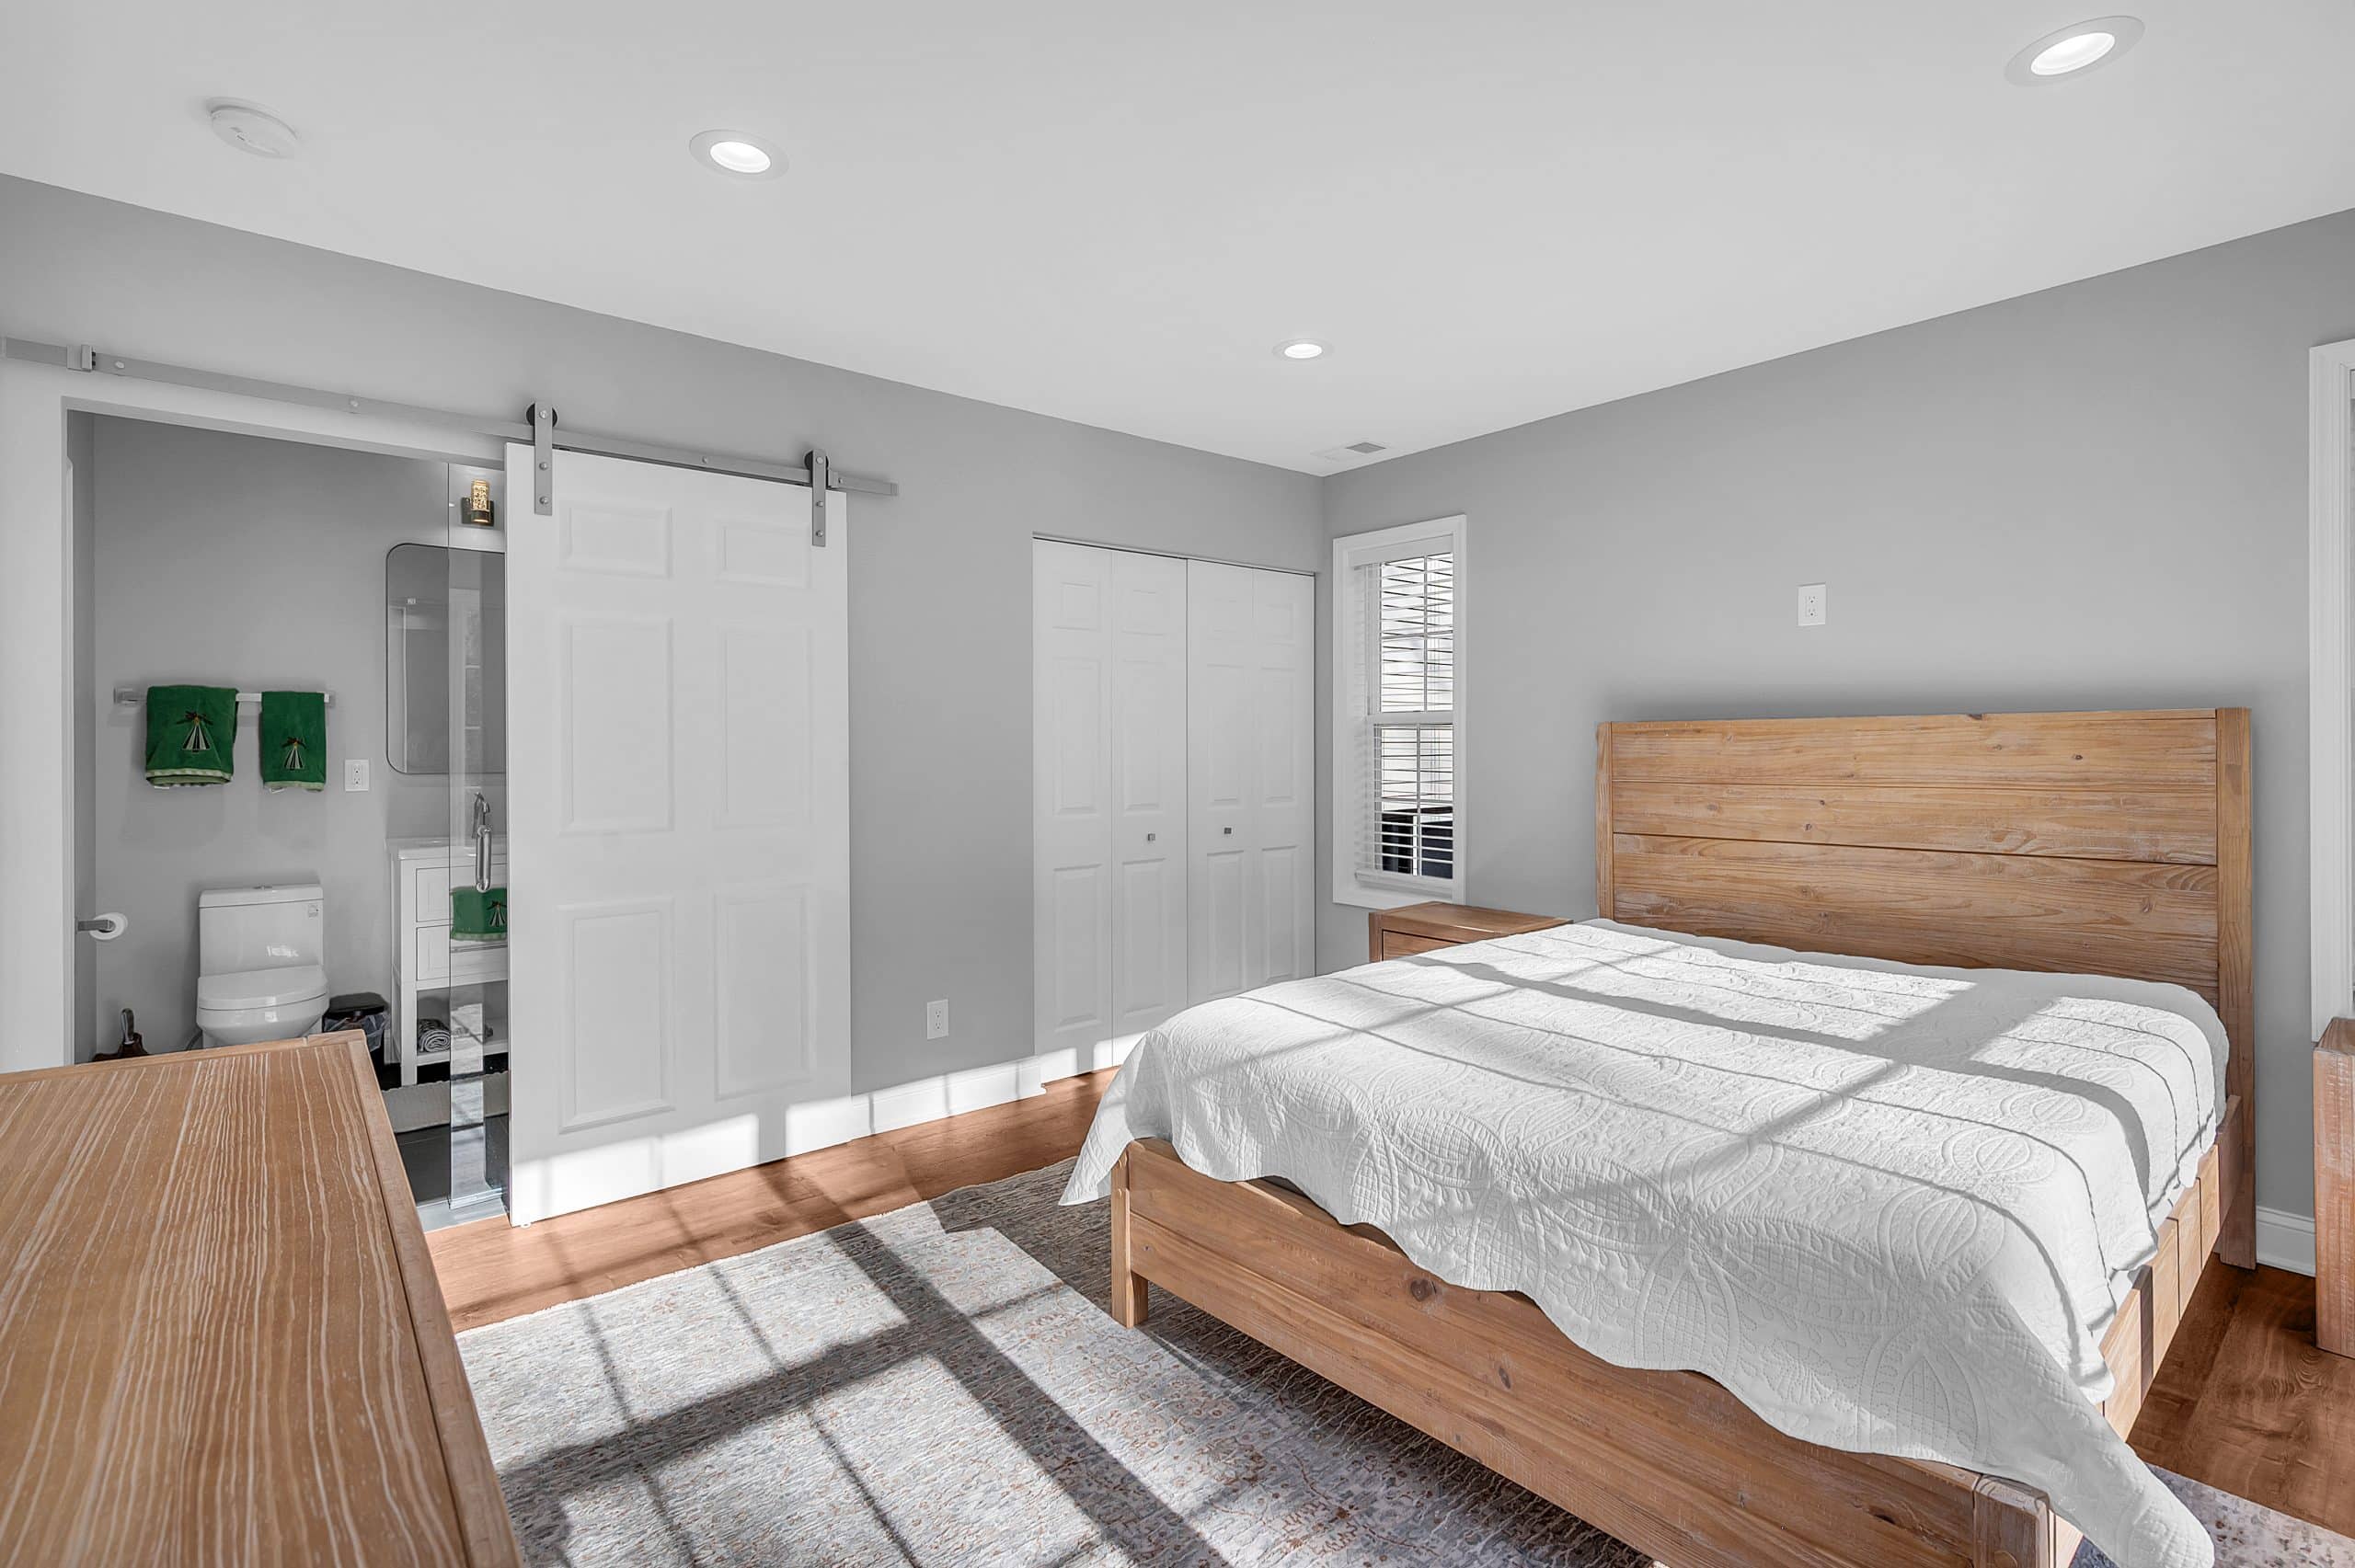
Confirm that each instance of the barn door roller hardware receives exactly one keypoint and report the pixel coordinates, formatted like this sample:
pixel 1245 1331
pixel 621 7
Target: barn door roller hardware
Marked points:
pixel 822 480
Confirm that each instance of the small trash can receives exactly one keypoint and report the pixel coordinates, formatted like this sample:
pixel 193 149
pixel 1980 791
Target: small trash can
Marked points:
pixel 361 1009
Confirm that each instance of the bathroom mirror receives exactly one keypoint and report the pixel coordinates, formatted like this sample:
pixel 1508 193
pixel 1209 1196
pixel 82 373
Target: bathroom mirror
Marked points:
pixel 445 651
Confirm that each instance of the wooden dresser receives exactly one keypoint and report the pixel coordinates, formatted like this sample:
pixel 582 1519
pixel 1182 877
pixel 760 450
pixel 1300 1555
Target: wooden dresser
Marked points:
pixel 1420 928
pixel 220 1340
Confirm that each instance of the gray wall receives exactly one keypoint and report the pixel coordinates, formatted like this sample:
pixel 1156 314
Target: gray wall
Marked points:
pixel 229 560
pixel 940 648
pixel 2088 498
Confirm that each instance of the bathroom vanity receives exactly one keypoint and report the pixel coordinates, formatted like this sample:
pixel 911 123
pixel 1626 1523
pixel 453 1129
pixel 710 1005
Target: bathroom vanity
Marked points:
pixel 428 966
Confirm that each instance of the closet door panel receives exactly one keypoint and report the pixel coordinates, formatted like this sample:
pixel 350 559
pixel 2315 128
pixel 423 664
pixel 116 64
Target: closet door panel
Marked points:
pixel 1073 886
pixel 1221 740
pixel 1250 655
pixel 1284 670
pixel 1148 761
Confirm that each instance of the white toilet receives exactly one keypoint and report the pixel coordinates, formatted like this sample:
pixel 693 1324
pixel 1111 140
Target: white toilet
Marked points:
pixel 260 963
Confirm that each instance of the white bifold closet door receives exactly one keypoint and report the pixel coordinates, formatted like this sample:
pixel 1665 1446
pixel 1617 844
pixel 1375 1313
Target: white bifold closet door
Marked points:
pixel 1171 777
pixel 1109 786
pixel 679 857
pixel 1251 777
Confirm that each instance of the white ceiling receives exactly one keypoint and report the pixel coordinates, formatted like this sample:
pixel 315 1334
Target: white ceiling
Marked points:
pixel 1493 213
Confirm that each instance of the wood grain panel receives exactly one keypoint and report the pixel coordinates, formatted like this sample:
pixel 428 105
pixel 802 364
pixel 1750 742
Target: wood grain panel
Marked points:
pixel 2236 966
pixel 1397 946
pixel 2132 752
pixel 2176 826
pixel 209 1340
pixel 2334 1188
pixel 2149 920
pixel 1426 927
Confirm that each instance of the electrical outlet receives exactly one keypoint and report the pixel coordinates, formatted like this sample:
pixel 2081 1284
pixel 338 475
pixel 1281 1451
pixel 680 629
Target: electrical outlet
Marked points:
pixel 1813 602
pixel 935 1019
pixel 355 775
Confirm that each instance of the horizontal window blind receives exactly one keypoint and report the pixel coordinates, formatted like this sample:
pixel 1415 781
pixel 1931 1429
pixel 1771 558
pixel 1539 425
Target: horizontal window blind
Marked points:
pixel 1407 686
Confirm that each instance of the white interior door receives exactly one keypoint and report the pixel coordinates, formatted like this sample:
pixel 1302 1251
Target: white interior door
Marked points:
pixel 679 856
pixel 1250 655
pixel 1108 785
pixel 1149 816
pixel 1071 783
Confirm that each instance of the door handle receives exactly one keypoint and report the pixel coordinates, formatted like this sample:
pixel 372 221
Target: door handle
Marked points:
pixel 102 928
pixel 482 843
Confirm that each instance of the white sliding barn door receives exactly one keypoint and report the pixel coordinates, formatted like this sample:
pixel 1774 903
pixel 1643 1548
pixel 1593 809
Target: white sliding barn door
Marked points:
pixel 679 857
pixel 1109 788
pixel 1251 652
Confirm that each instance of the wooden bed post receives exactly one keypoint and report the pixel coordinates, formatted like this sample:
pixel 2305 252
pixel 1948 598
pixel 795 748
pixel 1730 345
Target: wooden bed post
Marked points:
pixel 2235 980
pixel 1129 1287
pixel 1604 904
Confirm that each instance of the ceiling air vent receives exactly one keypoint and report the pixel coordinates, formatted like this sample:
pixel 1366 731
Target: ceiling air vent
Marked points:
pixel 1350 453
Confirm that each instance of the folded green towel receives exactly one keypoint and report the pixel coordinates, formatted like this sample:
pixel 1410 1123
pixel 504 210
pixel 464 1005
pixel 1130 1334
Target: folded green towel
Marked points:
pixel 294 740
pixel 191 735
pixel 478 916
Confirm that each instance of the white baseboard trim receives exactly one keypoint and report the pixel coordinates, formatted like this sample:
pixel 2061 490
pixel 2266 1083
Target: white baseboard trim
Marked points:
pixel 977 1088
pixel 2285 1241
pixel 948 1095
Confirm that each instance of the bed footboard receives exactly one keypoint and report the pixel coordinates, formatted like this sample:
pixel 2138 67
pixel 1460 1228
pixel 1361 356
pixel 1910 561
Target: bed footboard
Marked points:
pixel 1671 1462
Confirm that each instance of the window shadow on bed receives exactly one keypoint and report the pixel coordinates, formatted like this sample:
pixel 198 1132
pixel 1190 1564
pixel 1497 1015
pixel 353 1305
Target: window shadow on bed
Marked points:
pixel 1970 1015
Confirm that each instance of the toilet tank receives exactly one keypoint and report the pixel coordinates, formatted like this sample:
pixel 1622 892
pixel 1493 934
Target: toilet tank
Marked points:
pixel 260 928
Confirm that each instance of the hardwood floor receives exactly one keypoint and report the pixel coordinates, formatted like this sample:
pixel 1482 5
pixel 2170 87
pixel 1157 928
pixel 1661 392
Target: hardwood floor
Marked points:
pixel 2245 1402
pixel 491 1270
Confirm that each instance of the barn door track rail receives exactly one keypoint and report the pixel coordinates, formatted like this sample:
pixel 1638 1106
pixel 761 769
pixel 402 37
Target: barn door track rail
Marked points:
pixel 539 428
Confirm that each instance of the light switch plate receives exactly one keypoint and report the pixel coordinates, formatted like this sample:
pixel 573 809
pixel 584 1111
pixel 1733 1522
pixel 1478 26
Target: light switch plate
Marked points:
pixel 355 775
pixel 1814 603
pixel 935 1019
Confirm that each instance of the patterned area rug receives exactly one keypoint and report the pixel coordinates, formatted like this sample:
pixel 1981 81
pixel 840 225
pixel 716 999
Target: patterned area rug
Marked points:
pixel 942 1385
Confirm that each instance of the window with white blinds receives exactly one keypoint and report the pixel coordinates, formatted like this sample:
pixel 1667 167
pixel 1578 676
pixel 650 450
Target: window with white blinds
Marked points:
pixel 1398 793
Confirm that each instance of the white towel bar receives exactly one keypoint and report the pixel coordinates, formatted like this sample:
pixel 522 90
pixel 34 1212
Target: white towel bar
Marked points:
pixel 131 696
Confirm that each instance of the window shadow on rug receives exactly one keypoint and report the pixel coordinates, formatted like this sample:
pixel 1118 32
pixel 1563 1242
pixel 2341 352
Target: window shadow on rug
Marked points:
pixel 1120 1511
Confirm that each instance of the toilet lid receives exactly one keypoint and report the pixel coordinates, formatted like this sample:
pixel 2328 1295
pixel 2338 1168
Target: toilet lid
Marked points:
pixel 262 988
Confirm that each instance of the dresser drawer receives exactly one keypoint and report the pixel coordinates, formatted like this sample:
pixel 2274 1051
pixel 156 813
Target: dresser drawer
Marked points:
pixel 1425 928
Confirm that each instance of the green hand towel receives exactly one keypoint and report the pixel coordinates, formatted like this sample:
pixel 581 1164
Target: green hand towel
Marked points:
pixel 294 740
pixel 191 735
pixel 478 916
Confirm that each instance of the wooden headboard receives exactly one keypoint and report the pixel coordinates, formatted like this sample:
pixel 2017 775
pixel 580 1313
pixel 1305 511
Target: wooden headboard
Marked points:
pixel 2112 844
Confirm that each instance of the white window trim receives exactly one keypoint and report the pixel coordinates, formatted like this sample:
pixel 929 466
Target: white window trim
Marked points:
pixel 1351 551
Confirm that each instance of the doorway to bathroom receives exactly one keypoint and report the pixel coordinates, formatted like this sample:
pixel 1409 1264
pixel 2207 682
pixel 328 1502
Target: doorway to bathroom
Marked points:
pixel 678 680
pixel 289 771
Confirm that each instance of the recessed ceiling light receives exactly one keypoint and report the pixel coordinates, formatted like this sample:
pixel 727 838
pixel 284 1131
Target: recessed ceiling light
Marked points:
pixel 1300 348
pixel 738 154
pixel 251 128
pixel 2074 51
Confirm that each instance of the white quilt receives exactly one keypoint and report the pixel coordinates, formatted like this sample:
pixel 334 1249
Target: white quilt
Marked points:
pixel 1892 1208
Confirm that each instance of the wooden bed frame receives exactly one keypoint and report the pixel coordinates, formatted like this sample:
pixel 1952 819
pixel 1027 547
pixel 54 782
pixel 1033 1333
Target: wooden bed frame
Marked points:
pixel 2101 842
